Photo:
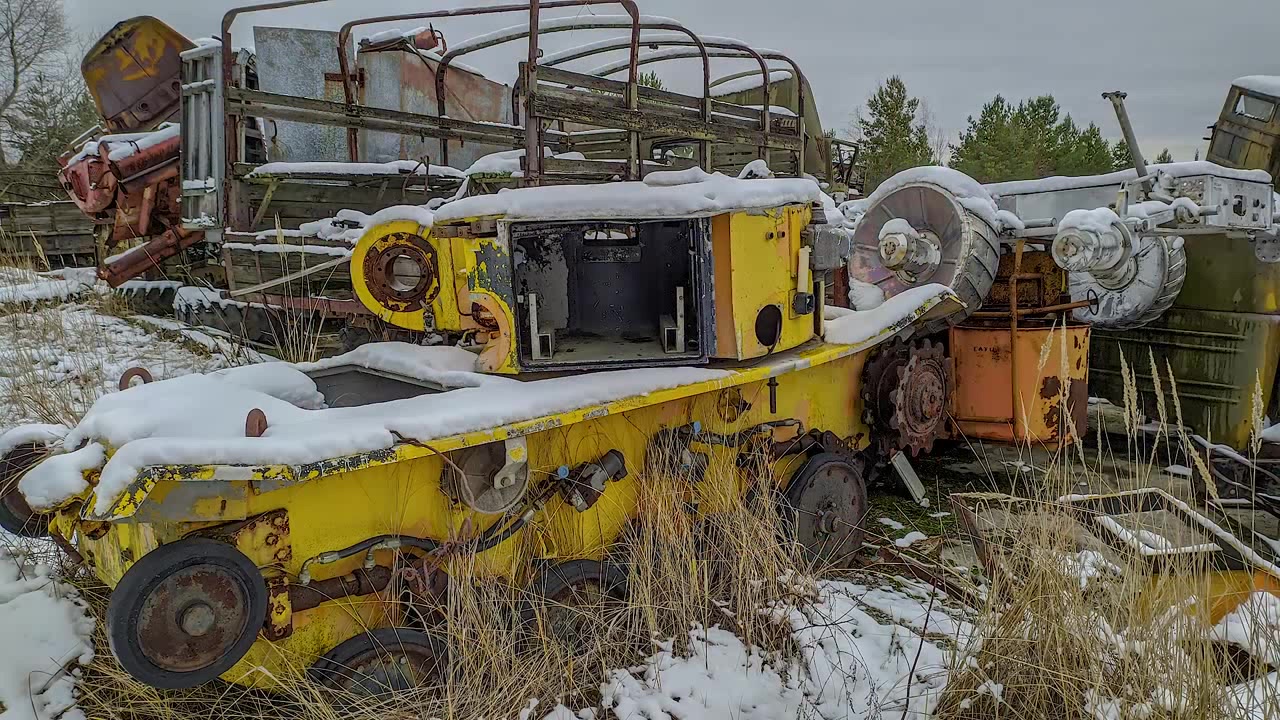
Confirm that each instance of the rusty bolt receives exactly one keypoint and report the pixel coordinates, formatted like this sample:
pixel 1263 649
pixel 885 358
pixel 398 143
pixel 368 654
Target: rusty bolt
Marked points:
pixel 271 539
pixel 283 555
pixel 136 372
pixel 255 424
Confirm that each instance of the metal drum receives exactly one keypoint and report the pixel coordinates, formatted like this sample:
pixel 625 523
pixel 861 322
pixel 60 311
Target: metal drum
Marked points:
pixel 919 234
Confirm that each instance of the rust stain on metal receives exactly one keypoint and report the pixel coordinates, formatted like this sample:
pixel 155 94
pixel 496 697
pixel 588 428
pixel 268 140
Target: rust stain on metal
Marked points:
pixel 255 423
pixel 402 272
pixel 361 582
pixel 135 373
pixel 191 618
pixel 279 621
pixel 262 538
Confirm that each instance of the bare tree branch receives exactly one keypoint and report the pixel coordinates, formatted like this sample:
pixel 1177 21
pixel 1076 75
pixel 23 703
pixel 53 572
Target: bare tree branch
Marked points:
pixel 32 32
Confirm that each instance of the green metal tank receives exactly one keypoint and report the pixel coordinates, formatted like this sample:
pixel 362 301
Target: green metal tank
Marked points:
pixel 1222 336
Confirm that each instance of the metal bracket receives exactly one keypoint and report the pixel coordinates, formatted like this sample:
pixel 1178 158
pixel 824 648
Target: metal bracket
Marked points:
pixel 517 462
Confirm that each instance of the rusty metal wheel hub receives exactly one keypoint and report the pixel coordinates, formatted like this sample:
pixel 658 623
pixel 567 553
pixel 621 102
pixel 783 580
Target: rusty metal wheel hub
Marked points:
pixel 186 612
pixel 827 503
pixel 16 515
pixel 383 661
pixel 906 393
pixel 402 272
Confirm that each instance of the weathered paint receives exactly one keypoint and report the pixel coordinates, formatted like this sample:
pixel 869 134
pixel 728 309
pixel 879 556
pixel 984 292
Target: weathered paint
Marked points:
pixel 1240 141
pixel 335 504
pixel 1218 359
pixel 990 403
pixel 132 73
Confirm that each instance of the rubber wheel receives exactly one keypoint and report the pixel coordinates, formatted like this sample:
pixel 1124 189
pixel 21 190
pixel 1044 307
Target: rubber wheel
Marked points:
pixel 186 612
pixel 383 661
pixel 16 515
pixel 826 506
pixel 565 591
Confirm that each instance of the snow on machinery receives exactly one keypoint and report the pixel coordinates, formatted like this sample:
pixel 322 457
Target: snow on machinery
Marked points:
pixel 1168 264
pixel 522 440
pixel 1100 255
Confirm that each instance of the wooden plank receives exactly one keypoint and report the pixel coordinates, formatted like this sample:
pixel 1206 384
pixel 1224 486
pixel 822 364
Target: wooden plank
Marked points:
pixel 584 167
pixel 558 106
pixel 580 80
pixel 719 106
pixel 594 82
pixel 256 103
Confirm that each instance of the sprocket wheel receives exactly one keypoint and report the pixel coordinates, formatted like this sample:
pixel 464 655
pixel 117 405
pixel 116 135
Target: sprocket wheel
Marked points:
pixel 921 398
pixel 906 390
pixel 879 380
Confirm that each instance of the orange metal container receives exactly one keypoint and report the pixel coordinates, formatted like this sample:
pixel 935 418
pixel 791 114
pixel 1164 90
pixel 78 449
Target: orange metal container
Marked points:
pixel 1025 385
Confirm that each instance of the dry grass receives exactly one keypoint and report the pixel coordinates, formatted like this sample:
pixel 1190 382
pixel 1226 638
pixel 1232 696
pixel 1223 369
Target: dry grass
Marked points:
pixel 685 571
pixel 1047 645
pixel 1075 629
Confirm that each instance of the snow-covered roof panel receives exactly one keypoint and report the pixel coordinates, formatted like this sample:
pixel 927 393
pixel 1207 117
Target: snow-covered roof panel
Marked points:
pixel 1261 84
pixel 652 199
pixel 1176 170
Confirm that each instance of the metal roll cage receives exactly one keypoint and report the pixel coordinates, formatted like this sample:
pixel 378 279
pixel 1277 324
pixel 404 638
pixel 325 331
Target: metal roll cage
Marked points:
pixel 699 47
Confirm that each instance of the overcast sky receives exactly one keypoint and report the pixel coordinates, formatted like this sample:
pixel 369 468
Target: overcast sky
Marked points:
pixel 1175 58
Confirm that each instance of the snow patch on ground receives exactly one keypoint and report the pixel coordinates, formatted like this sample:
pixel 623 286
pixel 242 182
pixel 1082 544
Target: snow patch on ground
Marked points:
pixel 910 539
pixel 852 664
pixel 45 631
pixel 27 287
pixel 1254 627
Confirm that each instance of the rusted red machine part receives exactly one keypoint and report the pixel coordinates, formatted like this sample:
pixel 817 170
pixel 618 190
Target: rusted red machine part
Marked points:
pixel 134 373
pixel 140 193
pixel 143 258
pixel 255 424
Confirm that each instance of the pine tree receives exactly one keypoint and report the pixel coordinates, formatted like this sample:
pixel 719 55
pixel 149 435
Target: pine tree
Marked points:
pixel 1165 156
pixel 1121 159
pixel 50 114
pixel 1029 141
pixel 892 136
pixel 984 152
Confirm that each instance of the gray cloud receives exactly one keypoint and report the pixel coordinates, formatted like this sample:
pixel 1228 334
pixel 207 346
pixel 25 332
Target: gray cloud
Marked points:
pixel 1174 58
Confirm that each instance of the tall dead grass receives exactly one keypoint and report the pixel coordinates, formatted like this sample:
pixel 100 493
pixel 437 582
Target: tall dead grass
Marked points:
pixel 1074 629
pixel 683 568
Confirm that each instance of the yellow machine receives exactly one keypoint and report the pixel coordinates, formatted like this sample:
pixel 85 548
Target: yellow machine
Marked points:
pixel 219 567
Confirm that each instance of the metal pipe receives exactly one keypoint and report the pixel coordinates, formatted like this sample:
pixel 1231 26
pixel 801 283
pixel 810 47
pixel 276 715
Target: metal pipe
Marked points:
pixel 1013 333
pixel 730 50
pixel 532 133
pixel 529 78
pixel 998 314
pixel 1117 101
pixel 738 50
pixel 344 35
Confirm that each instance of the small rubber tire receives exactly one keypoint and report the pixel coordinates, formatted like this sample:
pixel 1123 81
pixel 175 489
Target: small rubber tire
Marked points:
pixel 805 488
pixel 337 669
pixel 16 516
pixel 553 581
pixel 146 575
